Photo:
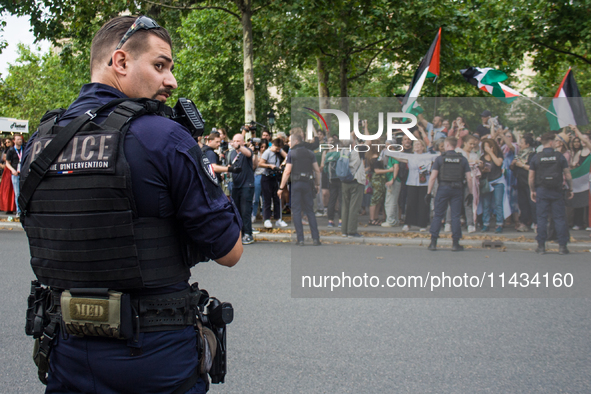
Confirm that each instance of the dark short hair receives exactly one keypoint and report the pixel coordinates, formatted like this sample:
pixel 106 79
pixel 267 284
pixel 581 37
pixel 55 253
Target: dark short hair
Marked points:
pixel 528 139
pixel 547 137
pixel 453 141
pixel 106 39
pixel 278 142
pixel 213 135
pixel 468 137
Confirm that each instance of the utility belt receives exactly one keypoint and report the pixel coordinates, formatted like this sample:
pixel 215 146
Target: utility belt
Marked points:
pixel 302 176
pixel 111 314
pixel 453 185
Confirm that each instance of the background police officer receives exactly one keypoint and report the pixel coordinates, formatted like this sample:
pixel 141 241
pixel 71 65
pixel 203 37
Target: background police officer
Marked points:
pixel 450 169
pixel 162 194
pixel 547 172
pixel 305 182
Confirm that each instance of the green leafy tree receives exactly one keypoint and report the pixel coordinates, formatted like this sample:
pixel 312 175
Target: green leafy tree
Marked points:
pixel 37 83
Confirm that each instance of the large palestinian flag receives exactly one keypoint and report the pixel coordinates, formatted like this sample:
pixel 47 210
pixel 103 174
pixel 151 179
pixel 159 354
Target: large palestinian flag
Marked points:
pixel 429 68
pixel 489 80
pixel 567 105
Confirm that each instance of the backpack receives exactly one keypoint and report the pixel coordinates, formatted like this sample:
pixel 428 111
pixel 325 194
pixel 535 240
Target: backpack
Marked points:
pixel 330 166
pixel 342 170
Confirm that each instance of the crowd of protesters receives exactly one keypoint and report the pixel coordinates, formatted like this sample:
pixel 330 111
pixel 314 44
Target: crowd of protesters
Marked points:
pixel 391 189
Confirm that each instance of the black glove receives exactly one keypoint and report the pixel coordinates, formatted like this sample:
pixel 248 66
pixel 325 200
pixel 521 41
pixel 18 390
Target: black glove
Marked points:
pixel 428 198
pixel 235 170
pixel 469 199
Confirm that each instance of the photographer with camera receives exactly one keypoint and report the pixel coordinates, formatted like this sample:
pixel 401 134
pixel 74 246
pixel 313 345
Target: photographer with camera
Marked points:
pixel 271 160
pixel 243 184
pixel 249 130
pixel 213 142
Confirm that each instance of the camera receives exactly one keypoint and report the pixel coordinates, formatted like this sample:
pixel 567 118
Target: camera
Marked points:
pixel 253 125
pixel 224 146
pixel 256 144
pixel 278 172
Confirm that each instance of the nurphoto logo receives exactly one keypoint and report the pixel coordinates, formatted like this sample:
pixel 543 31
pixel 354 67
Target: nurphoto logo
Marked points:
pixel 344 123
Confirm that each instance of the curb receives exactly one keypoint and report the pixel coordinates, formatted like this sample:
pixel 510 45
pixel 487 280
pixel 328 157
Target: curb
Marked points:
pixel 424 242
pixel 11 226
pixel 389 241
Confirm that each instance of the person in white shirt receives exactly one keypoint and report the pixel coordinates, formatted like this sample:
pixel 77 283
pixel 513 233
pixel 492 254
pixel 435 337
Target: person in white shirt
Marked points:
pixel 419 169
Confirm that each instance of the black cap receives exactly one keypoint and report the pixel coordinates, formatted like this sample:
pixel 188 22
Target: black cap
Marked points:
pixel 486 113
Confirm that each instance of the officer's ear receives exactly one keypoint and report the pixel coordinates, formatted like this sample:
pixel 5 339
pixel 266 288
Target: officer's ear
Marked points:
pixel 120 61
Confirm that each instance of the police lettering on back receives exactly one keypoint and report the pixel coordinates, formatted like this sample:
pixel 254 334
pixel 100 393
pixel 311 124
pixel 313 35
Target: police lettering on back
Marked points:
pixel 81 153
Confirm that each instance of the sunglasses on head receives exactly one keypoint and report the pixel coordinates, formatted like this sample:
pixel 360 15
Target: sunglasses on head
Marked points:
pixel 141 23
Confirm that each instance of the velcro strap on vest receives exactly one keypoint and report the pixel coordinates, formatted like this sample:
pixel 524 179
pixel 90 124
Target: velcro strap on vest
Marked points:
pixel 85 255
pixel 86 182
pixel 96 205
pixel 97 276
pixel 80 234
pixel 159 229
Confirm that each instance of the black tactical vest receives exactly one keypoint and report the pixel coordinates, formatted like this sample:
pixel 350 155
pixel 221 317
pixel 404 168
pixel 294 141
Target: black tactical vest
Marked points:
pixel 549 172
pixel 451 169
pixel 302 165
pixel 81 220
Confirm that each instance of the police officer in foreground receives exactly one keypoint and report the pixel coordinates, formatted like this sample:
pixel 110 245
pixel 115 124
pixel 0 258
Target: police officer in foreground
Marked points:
pixel 117 221
pixel 305 182
pixel 547 171
pixel 451 169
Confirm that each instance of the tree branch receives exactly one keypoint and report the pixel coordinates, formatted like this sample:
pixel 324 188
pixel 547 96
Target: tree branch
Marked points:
pixel 562 51
pixel 324 53
pixel 368 65
pixel 188 8
pixel 361 49
pixel 260 7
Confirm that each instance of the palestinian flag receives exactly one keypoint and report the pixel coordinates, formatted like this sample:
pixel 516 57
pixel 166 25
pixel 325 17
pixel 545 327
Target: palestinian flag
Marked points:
pixel 581 176
pixel 429 68
pixel 581 184
pixel 567 105
pixel 489 80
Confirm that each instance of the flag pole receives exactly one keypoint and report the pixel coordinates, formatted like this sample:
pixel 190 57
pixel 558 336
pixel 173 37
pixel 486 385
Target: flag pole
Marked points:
pixel 435 105
pixel 541 106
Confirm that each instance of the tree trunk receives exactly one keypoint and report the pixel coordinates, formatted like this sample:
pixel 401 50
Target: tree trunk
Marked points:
pixel 323 94
pixel 245 7
pixel 344 68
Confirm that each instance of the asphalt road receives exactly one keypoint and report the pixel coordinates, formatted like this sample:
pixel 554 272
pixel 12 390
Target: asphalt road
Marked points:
pixel 280 344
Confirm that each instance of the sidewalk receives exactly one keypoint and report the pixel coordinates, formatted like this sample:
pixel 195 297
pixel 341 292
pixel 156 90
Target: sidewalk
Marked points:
pixel 511 239
pixel 378 235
